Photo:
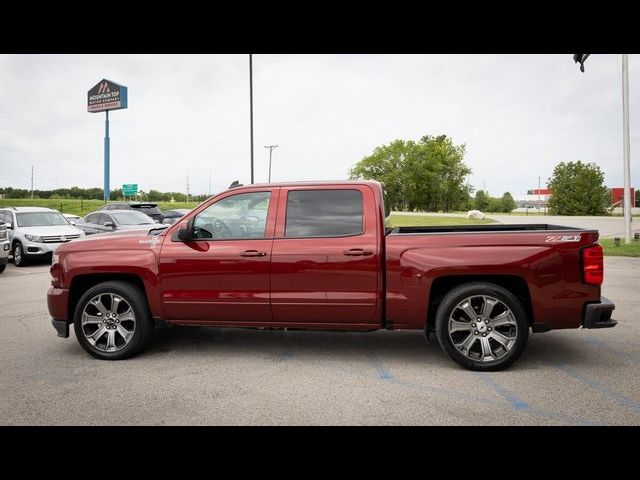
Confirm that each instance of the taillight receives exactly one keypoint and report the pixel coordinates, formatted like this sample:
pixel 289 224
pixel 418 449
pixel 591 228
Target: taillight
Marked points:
pixel 593 265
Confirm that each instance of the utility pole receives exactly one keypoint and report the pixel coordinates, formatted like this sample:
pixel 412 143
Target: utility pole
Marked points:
pixel 251 108
pixel 187 187
pixel 625 141
pixel 270 147
pixel 32 182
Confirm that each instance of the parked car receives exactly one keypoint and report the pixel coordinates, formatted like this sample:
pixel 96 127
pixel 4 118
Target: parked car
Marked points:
pixel 36 232
pixel 324 259
pixel 104 222
pixel 4 247
pixel 172 216
pixel 148 208
pixel 72 218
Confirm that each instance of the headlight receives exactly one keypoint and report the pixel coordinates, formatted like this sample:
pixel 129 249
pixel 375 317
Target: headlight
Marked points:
pixel 34 238
pixel 55 258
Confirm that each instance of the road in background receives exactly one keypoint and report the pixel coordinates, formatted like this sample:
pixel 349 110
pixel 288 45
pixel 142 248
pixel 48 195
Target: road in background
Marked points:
pixel 241 376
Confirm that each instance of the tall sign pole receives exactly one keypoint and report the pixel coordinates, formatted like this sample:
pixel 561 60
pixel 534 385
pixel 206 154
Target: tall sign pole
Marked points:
pixel 106 190
pixel 625 141
pixel 102 97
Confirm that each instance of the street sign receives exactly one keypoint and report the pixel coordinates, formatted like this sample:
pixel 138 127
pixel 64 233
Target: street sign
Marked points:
pixel 106 95
pixel 130 189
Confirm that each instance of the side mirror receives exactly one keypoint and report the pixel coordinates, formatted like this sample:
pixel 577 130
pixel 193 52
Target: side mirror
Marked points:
pixel 9 226
pixel 72 222
pixel 184 232
pixel 109 225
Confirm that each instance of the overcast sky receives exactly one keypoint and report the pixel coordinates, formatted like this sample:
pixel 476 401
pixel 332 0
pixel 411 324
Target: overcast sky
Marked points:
pixel 519 115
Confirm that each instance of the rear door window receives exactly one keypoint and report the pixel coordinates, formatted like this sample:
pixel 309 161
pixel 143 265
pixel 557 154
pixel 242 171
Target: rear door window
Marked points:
pixel 324 213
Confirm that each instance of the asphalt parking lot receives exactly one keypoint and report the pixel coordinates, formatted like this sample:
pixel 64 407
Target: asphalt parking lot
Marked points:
pixel 234 376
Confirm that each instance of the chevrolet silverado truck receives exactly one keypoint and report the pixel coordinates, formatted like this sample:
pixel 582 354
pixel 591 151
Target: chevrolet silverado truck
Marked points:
pixel 319 256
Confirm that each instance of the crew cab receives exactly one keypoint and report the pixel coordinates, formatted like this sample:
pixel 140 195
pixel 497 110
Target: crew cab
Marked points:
pixel 319 256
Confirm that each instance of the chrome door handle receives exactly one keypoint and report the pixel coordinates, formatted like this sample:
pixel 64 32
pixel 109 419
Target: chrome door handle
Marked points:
pixel 357 252
pixel 253 253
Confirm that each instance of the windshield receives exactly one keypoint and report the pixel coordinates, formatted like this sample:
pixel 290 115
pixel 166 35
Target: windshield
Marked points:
pixel 40 219
pixel 129 217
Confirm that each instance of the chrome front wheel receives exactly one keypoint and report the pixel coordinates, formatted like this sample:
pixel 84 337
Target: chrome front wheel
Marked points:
pixel 112 320
pixel 108 322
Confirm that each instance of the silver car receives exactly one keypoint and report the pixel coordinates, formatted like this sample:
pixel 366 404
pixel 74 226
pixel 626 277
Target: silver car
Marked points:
pixel 36 232
pixel 110 221
pixel 4 247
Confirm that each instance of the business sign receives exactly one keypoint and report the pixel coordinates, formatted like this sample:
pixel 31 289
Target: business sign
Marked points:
pixel 130 189
pixel 106 95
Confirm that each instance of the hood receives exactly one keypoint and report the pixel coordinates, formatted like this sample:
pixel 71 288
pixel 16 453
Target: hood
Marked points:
pixel 116 240
pixel 51 230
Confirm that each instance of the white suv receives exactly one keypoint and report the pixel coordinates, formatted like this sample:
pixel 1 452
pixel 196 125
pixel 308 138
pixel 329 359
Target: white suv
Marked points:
pixel 36 232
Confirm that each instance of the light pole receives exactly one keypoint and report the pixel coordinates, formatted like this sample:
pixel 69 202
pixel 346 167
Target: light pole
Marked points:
pixel 625 141
pixel 270 147
pixel 580 58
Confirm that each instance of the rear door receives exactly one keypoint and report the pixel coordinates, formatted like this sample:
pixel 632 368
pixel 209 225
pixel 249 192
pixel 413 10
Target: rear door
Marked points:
pixel 325 259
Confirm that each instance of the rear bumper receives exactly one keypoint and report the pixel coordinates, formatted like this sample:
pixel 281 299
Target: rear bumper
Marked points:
pixel 598 315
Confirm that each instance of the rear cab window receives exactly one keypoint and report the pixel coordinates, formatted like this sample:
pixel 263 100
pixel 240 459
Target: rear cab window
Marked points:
pixel 324 213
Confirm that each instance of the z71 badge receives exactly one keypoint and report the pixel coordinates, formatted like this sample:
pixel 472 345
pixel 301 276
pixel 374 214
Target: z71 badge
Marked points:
pixel 562 238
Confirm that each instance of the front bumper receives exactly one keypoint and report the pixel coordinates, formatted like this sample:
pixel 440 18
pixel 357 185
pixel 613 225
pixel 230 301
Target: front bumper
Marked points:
pixel 34 248
pixel 4 251
pixel 62 327
pixel 598 315
pixel 58 302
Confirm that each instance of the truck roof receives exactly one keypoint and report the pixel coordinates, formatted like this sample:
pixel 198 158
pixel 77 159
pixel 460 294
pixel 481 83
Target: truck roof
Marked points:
pixel 311 183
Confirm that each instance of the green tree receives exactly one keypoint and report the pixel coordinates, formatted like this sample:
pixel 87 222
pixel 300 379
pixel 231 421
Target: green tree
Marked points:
pixel 578 189
pixel 508 203
pixel 155 196
pixel 426 175
pixel 481 201
pixel 386 164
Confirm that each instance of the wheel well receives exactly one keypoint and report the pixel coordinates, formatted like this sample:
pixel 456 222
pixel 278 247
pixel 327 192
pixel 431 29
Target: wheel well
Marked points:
pixel 442 285
pixel 81 283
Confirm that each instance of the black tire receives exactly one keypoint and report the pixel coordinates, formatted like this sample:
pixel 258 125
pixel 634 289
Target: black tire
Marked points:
pixel 2 267
pixel 20 260
pixel 143 330
pixel 449 305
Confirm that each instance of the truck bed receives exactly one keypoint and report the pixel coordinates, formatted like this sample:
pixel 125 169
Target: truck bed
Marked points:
pixel 544 259
pixel 498 227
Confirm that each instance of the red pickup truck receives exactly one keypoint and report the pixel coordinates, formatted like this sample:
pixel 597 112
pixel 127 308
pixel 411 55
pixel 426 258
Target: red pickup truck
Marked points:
pixel 319 256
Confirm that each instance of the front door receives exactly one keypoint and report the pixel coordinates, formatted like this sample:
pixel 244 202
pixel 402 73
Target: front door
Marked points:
pixel 222 274
pixel 326 261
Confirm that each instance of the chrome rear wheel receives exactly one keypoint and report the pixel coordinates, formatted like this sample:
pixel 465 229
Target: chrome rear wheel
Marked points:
pixel 483 328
